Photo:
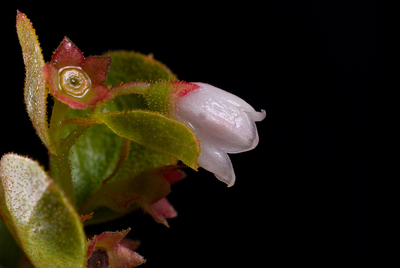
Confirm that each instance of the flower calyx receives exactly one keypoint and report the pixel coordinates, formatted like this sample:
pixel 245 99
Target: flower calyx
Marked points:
pixel 113 249
pixel 76 80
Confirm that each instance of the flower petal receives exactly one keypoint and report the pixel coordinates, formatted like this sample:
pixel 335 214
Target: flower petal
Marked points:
pixel 67 54
pixel 217 162
pixel 222 117
pixel 97 68
pixel 156 215
pixel 175 176
pixel 223 122
pixel 165 208
pixel 257 116
pixel 225 96
pixel 182 88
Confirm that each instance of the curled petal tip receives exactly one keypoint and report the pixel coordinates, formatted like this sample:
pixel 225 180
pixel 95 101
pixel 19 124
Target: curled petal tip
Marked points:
pixel 258 116
pixel 217 162
pixel 229 181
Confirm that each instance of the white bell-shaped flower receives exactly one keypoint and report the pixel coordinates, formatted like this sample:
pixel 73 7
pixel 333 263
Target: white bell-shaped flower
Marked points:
pixel 223 122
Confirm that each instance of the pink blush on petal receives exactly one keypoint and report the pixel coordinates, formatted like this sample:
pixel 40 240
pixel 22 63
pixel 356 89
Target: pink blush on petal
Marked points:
pixel 182 88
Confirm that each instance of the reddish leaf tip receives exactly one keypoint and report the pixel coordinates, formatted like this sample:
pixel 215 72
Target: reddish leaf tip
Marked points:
pixel 20 14
pixel 21 17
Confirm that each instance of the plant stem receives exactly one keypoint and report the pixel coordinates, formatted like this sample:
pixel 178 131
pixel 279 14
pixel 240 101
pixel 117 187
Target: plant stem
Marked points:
pixel 60 166
pixel 60 169
pixel 59 162
pixel 131 87
pixel 57 116
pixel 61 172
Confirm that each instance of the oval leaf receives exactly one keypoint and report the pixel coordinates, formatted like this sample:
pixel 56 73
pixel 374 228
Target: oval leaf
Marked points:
pixel 46 224
pixel 10 253
pixel 124 196
pixel 35 85
pixel 95 155
pixel 130 66
pixel 156 132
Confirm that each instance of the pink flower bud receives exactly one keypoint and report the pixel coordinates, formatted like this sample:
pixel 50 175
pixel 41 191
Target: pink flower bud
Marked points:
pixel 223 122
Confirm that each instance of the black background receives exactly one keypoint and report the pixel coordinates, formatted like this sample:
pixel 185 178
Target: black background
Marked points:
pixel 313 192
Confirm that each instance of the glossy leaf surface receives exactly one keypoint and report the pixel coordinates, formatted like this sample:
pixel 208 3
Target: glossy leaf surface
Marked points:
pixel 156 132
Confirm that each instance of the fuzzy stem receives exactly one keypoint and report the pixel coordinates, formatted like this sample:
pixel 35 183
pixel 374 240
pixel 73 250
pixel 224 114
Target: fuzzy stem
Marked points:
pixel 138 87
pixel 61 169
pixel 131 87
pixel 61 172
pixel 60 166
pixel 57 116
pixel 80 121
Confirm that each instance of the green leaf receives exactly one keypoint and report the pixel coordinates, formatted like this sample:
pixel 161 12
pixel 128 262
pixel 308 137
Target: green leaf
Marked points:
pixel 35 85
pixel 156 132
pixel 10 253
pixel 96 153
pixel 158 97
pixel 124 196
pixel 93 158
pixel 130 66
pixel 46 224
